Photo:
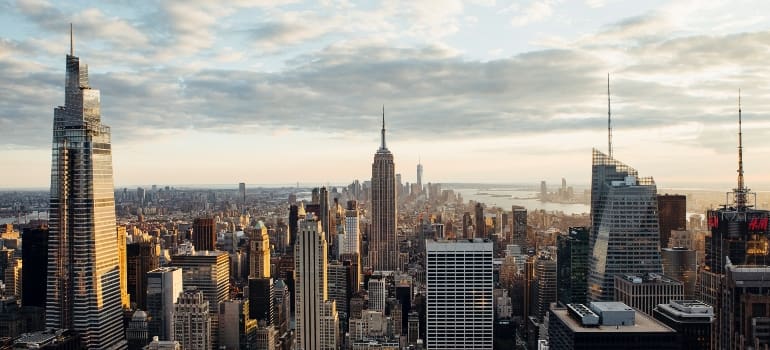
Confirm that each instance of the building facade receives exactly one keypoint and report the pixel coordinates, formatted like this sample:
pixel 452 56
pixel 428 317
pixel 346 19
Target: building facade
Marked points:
pixel 163 287
pixel 624 239
pixel 192 321
pixel 383 248
pixel 460 312
pixel 83 284
pixel 572 266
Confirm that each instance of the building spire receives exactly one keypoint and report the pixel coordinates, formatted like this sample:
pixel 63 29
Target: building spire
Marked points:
pixel 609 117
pixel 740 192
pixel 382 145
pixel 72 42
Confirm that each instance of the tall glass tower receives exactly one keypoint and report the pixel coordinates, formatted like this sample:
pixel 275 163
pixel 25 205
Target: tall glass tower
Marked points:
pixel 383 249
pixel 625 236
pixel 83 274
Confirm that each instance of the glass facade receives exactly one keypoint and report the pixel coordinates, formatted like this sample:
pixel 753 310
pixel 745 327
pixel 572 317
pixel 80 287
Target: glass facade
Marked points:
pixel 83 279
pixel 625 236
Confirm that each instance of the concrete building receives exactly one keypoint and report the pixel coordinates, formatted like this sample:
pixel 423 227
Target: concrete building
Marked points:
pixel 237 331
pixel 209 272
pixel 460 311
pixel 383 247
pixel 691 319
pixel 378 292
pixel 163 287
pixel 313 315
pixel 259 257
pixel 672 215
pixel 645 292
pixel 192 321
pixel 605 326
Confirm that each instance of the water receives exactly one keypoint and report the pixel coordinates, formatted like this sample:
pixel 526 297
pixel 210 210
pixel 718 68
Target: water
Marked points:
pixel 506 197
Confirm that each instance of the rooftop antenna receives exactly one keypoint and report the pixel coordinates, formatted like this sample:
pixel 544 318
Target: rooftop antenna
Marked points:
pixel 72 42
pixel 382 146
pixel 609 117
pixel 740 192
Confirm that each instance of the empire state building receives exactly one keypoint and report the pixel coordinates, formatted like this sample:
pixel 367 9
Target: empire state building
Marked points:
pixel 83 275
pixel 383 248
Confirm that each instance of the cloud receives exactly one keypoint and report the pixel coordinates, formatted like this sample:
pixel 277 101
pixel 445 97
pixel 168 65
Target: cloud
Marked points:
pixel 536 11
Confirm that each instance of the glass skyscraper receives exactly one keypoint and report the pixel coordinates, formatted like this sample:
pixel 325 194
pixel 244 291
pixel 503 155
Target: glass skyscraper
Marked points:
pixel 83 275
pixel 625 236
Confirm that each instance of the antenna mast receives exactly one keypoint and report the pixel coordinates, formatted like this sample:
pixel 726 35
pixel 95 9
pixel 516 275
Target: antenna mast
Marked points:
pixel 609 117
pixel 741 191
pixel 72 42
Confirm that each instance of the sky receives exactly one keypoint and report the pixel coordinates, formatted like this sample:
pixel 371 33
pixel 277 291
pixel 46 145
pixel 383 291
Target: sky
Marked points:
pixel 279 92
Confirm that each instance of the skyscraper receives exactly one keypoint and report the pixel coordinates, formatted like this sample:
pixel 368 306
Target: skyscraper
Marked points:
pixel 739 294
pixel 259 241
pixel 33 270
pixel 209 272
pixel 125 300
pixel 459 278
pixel 242 192
pixel 519 229
pixel 419 175
pixel 624 239
pixel 163 287
pixel 383 249
pixel 572 266
pixel 83 292
pixel 142 258
pixel 672 214
pixel 480 224
pixel 192 321
pixel 312 312
pixel 204 234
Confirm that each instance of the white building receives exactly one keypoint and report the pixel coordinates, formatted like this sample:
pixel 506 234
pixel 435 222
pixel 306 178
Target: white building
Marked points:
pixel 377 294
pixel 163 287
pixel 459 294
pixel 313 317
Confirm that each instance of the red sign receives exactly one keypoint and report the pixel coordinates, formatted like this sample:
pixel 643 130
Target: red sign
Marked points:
pixel 713 220
pixel 758 224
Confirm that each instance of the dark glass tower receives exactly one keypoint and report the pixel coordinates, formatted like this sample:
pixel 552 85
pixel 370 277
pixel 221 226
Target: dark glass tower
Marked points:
pixel 572 266
pixel 83 291
pixel 383 252
pixel 33 268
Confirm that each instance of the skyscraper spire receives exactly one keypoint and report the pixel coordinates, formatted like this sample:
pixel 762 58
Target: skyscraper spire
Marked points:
pixel 382 145
pixel 72 42
pixel 609 118
pixel 740 192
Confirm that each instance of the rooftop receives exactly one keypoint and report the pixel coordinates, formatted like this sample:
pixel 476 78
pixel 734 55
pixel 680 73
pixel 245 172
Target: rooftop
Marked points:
pixel 642 323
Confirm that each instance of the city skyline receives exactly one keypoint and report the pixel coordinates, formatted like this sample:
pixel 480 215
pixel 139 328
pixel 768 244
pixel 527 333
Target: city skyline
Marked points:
pixel 214 80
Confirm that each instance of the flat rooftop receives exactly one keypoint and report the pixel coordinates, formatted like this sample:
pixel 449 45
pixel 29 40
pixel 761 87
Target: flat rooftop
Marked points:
pixel 642 324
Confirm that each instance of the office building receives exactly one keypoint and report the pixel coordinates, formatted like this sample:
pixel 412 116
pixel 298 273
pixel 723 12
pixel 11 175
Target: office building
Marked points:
pixel 34 259
pixel 125 300
pixel 745 307
pixel 378 292
pixel 282 306
pixel 259 241
pixel 349 243
pixel 242 192
pixel 142 258
pixel 624 238
pixel 204 236
pixel 293 223
pixel 237 331
pixel 691 319
pixel 645 292
pixel 572 266
pixel 681 264
pixel 672 215
pixel 137 331
pixel 460 312
pixel 739 238
pixel 480 223
pixel 50 339
pixel 339 276
pixel 163 287
pixel 545 288
pixel 313 315
pixel 157 344
pixel 383 248
pixel 83 282
pixel 419 175
pixel 192 321
pixel 607 326
pixel 519 226
pixel 261 307
pixel 209 273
